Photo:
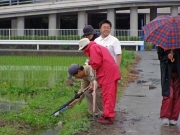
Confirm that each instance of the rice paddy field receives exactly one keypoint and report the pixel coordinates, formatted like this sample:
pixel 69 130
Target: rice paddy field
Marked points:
pixel 28 71
pixel 33 87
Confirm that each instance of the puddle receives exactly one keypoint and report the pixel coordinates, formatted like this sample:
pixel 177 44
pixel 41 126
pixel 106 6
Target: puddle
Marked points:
pixel 141 81
pixel 155 81
pixel 136 95
pixel 151 83
pixel 151 87
pixel 144 83
pixel 52 131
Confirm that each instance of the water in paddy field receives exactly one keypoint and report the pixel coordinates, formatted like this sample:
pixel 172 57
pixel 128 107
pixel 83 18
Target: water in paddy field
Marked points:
pixel 59 68
pixel 7 106
pixel 53 131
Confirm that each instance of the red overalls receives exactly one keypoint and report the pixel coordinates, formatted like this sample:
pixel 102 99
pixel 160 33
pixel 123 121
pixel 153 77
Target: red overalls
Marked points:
pixel 107 73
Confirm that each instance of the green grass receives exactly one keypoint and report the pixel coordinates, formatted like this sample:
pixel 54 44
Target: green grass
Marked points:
pixel 44 90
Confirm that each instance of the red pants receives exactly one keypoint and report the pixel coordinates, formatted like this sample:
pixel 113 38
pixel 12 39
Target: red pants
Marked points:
pixel 109 92
pixel 171 105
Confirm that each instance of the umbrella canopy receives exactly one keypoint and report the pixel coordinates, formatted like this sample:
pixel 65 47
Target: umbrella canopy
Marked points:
pixel 163 31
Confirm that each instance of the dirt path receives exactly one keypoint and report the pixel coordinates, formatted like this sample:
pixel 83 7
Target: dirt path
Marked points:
pixel 137 112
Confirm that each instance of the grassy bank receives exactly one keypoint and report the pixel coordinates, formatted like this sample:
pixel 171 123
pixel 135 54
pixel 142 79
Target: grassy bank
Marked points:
pixel 39 82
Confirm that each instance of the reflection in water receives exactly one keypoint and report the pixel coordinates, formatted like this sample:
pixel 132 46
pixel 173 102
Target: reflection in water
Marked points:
pixel 170 130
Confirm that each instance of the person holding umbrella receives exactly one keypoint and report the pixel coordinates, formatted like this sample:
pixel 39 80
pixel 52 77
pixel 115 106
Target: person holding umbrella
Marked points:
pixel 106 73
pixel 170 83
pixel 164 31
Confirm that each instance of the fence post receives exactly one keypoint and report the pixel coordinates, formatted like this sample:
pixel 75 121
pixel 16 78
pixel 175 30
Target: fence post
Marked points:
pixel 128 35
pixel 37 47
pixel 32 34
pixel 142 46
pixel 9 34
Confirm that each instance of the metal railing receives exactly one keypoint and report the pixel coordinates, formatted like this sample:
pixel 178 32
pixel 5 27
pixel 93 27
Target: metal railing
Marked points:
pixel 15 2
pixel 19 2
pixel 63 34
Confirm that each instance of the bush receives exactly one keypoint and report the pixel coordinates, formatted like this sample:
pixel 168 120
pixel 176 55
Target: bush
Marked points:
pixel 148 46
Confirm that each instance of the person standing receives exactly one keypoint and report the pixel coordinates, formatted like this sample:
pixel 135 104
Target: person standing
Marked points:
pixel 90 33
pixel 109 41
pixel 84 73
pixel 170 84
pixel 107 74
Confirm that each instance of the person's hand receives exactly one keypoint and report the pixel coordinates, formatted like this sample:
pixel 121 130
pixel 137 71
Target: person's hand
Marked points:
pixel 90 87
pixel 170 56
pixel 72 103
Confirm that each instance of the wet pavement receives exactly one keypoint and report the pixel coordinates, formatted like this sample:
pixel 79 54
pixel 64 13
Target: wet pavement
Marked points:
pixel 141 100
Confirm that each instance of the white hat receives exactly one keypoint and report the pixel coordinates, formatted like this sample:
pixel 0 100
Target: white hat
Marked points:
pixel 83 42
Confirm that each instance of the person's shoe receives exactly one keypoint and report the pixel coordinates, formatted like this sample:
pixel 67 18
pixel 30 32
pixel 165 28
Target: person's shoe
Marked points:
pixel 172 122
pixel 164 121
pixel 105 120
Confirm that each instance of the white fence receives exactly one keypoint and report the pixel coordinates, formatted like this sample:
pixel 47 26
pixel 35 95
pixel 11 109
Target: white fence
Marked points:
pixel 63 34
pixel 62 37
pixel 61 42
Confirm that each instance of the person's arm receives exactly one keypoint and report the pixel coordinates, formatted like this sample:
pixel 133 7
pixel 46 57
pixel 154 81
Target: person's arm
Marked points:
pixel 84 84
pixel 118 52
pixel 162 56
pixel 118 59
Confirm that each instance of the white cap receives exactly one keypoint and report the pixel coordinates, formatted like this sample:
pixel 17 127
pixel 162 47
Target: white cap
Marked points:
pixel 83 43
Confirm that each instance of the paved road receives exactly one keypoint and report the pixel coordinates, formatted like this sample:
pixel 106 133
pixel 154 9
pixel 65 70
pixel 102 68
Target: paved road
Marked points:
pixel 142 100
